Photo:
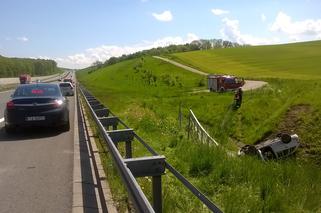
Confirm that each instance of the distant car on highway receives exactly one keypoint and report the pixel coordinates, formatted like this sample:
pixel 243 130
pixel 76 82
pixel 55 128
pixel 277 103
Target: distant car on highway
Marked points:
pixel 25 79
pixel 67 89
pixel 39 104
pixel 69 80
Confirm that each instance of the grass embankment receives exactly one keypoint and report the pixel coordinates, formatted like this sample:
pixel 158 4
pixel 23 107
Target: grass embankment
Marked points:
pixel 146 94
pixel 291 61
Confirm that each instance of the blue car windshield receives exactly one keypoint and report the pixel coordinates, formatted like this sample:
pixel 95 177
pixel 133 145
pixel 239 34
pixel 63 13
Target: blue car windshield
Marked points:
pixel 37 90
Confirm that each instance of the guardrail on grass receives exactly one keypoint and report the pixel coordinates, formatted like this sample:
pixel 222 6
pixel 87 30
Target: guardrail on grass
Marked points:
pixel 196 129
pixel 130 168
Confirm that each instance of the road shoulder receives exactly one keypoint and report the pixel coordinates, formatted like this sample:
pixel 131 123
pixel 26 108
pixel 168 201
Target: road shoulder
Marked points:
pixel 91 192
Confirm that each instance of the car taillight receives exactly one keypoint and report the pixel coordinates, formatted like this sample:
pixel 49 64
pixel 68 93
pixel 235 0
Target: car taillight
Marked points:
pixel 10 105
pixel 58 103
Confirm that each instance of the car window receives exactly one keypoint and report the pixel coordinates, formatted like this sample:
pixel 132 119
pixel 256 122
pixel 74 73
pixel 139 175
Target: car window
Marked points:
pixel 229 80
pixel 35 90
pixel 65 85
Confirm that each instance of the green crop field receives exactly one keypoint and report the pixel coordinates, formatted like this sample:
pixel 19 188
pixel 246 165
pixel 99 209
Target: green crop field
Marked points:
pixel 146 93
pixel 290 61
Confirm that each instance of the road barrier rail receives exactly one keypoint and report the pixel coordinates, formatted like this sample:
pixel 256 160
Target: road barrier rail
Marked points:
pixel 195 128
pixel 129 168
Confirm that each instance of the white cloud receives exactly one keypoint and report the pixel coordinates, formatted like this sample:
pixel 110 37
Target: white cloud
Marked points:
pixel 23 39
pixel 44 57
pixel 191 37
pixel 284 24
pixel 294 38
pixel 219 12
pixel 263 17
pixel 104 52
pixel 164 16
pixel 231 31
pixel 41 57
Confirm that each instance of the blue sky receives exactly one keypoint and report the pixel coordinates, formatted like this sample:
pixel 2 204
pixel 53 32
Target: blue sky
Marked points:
pixel 76 33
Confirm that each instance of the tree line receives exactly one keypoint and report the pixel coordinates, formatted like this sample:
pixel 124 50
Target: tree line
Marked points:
pixel 202 44
pixel 13 67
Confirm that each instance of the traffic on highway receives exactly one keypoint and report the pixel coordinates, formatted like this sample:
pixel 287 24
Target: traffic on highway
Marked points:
pixel 36 148
pixel 39 104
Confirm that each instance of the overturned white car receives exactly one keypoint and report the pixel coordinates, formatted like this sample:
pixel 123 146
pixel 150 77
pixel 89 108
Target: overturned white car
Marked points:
pixel 281 146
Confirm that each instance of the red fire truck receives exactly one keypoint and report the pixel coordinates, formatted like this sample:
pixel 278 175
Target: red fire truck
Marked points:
pixel 25 79
pixel 222 83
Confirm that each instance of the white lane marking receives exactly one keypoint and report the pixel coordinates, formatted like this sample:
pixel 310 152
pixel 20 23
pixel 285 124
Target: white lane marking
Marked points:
pixel 1 120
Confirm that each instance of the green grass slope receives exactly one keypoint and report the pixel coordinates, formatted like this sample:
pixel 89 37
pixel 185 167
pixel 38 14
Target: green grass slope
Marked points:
pixel 146 93
pixel 290 61
pixel 141 79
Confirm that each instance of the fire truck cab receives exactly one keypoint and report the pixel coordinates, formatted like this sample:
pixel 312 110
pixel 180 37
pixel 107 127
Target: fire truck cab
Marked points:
pixel 222 83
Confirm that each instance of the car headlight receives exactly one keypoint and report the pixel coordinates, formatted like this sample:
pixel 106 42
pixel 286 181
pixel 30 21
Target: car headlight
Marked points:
pixel 58 102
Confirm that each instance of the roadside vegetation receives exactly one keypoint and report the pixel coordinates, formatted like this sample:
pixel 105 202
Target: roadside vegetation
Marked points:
pixel 146 92
pixel 13 67
pixel 202 44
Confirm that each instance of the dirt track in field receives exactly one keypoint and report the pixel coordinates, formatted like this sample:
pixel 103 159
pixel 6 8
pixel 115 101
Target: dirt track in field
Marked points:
pixel 249 84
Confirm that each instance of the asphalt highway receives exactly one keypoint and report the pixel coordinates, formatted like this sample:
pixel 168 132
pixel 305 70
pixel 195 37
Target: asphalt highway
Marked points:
pixel 36 167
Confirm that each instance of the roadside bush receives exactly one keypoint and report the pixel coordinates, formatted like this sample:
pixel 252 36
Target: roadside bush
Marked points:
pixel 201 161
pixel 201 82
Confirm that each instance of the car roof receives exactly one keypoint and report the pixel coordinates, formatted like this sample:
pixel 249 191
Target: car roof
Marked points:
pixel 38 84
pixel 21 86
pixel 64 83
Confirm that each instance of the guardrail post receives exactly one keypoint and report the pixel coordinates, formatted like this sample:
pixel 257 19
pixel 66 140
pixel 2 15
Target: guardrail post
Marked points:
pixel 108 122
pixel 154 167
pixel 189 126
pixel 202 137
pixel 157 194
pixel 115 127
pixel 180 115
pixel 128 149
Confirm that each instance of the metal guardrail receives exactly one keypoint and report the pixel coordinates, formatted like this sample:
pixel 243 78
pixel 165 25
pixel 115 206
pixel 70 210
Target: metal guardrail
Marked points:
pixel 129 168
pixel 195 125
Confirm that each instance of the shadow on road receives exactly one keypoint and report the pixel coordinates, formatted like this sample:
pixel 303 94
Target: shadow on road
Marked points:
pixel 28 134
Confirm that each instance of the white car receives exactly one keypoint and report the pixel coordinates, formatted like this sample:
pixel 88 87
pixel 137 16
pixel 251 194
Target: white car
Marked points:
pixel 67 89
pixel 281 146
